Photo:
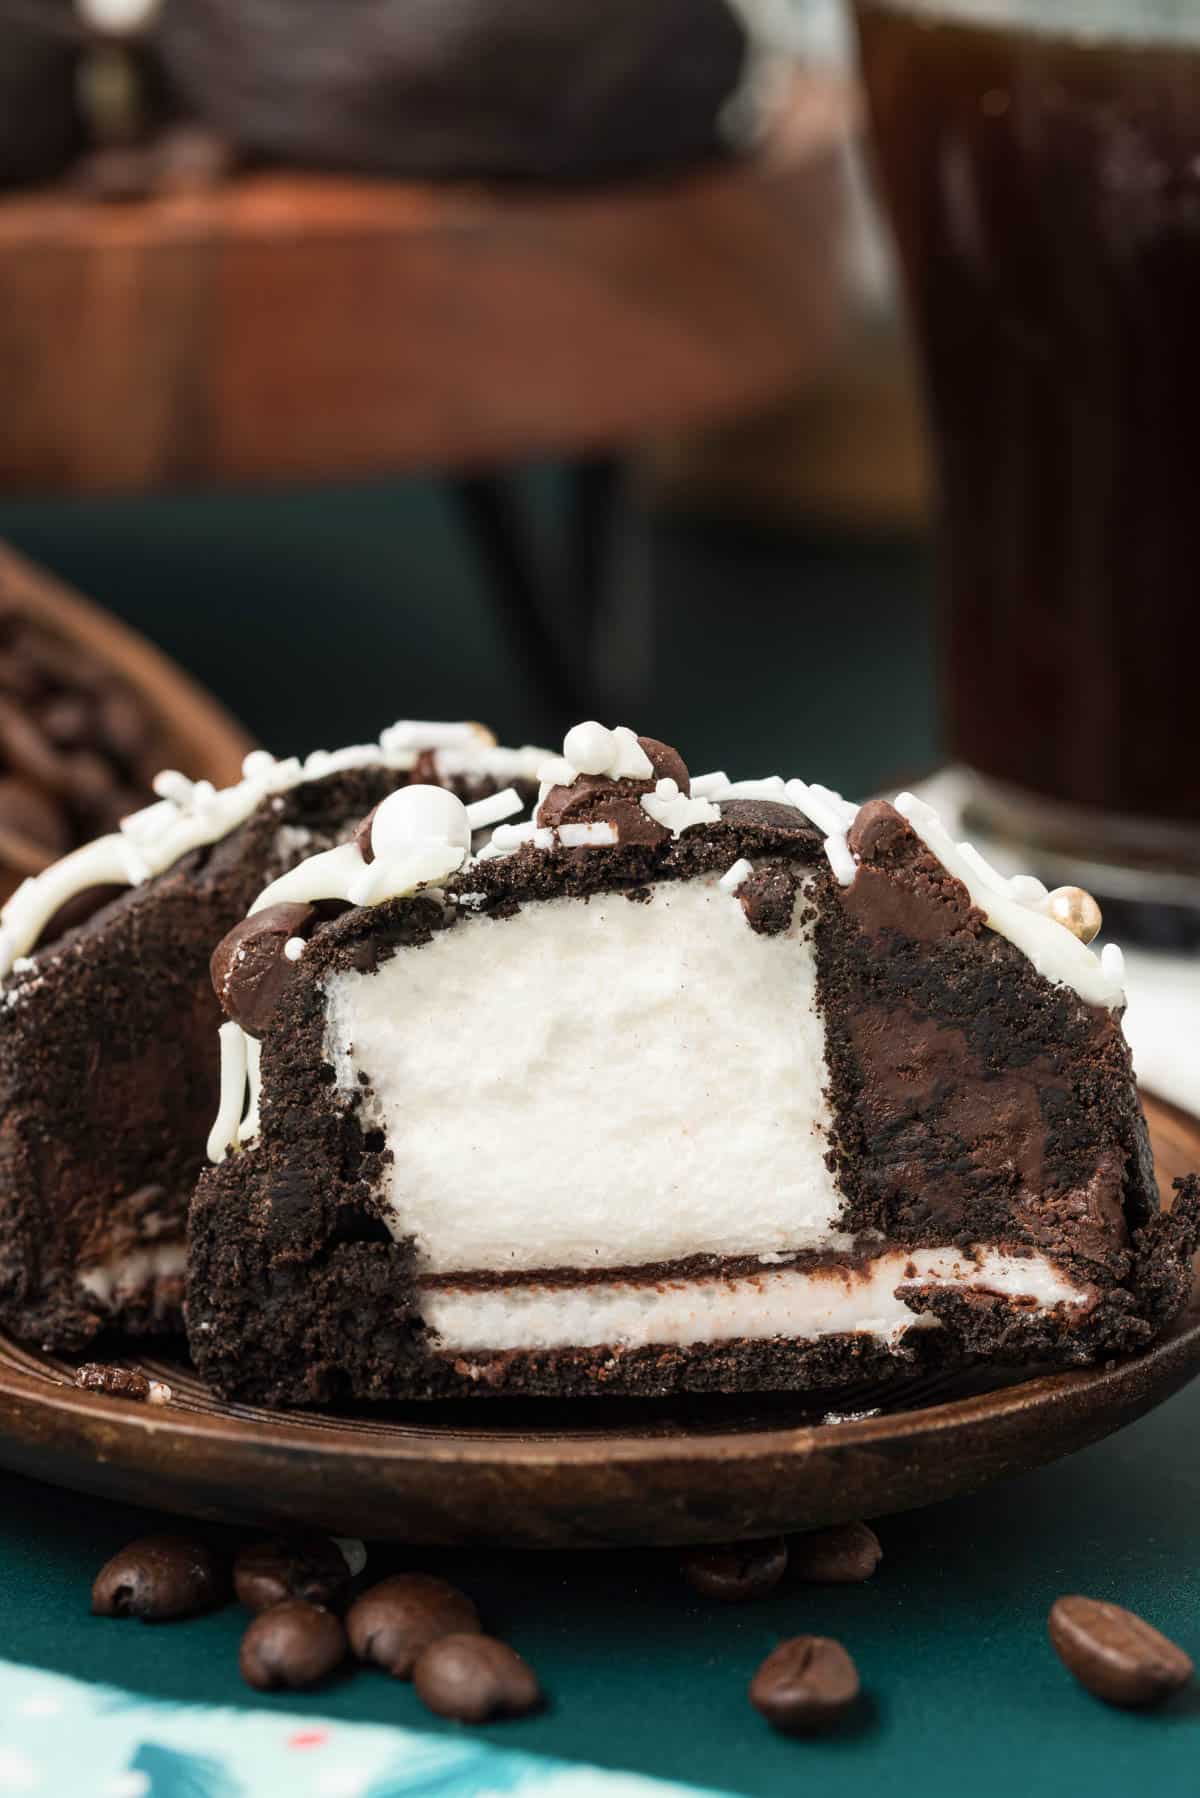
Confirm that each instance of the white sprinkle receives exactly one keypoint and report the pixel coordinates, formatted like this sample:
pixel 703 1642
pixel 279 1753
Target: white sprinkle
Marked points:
pixel 259 763
pixel 1027 889
pixel 710 786
pixel 354 1553
pixel 1112 960
pixel 294 948
pixel 680 813
pixel 23 964
pixel 840 858
pixel 589 747
pixel 666 788
pixel 587 836
pixel 171 784
pixel 733 877
pixel 482 812
pixel 160 1393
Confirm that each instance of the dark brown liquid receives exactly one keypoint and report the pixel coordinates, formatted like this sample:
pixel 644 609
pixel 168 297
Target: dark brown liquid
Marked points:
pixel 1045 194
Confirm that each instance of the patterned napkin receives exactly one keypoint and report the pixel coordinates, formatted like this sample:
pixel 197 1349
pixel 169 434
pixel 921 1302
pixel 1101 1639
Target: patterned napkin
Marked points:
pixel 63 1739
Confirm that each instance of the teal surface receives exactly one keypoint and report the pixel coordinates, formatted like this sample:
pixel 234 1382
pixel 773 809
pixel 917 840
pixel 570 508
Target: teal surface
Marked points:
pixel 965 1694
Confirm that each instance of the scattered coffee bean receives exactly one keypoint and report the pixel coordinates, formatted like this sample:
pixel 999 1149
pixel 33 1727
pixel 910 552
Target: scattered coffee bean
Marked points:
pixel 1118 1656
pixel 117 1382
pixel 736 1571
pixel 392 1623
pixel 843 1555
pixel 474 1678
pixel 158 1577
pixel 292 1644
pixel 267 1571
pixel 805 1686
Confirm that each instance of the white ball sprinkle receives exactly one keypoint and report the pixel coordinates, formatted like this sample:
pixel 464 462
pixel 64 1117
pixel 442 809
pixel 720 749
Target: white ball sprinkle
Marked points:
pixel 666 788
pixel 294 948
pixel 159 1393
pixel 420 815
pixel 589 747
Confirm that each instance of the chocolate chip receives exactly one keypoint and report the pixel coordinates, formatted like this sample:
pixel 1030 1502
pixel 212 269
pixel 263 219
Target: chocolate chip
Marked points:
pixel 474 1678
pixel 250 972
pixel 805 1686
pixel 117 1382
pixel 843 1555
pixel 1114 1653
pixel 667 763
pixel 392 1623
pixel 362 836
pixel 737 1571
pixel 158 1577
pixel 764 814
pixel 876 830
pixel 292 1644
pixel 768 898
pixel 26 811
pixel 267 1571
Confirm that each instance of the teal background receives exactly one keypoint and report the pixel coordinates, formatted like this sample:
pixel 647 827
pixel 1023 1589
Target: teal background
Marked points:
pixel 321 616
pixel 964 1692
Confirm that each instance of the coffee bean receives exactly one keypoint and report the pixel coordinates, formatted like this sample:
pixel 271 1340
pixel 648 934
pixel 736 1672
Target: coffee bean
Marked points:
pixel 158 1577
pixel 123 724
pixel 736 1571
pixel 843 1555
pixel 26 811
pixel 292 1644
pixel 474 1678
pixel 28 752
pixel 68 720
pixel 805 1685
pixel 266 1572
pixel 391 1624
pixel 1118 1656
pixel 118 1382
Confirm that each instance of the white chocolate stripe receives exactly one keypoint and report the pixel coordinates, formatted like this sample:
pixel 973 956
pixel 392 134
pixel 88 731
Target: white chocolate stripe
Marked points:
pixel 189 814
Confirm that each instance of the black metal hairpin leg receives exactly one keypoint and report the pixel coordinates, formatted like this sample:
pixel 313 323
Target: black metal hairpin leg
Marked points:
pixel 584 631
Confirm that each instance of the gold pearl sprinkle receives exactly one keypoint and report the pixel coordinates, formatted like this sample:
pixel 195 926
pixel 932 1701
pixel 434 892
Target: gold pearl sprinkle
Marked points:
pixel 1076 911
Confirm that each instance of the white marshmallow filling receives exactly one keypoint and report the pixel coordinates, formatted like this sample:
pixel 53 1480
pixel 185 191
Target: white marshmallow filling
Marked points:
pixel 596 1084
pixel 786 1303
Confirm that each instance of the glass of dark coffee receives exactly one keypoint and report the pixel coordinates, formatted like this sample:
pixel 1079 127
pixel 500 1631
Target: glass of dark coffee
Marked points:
pixel 1040 162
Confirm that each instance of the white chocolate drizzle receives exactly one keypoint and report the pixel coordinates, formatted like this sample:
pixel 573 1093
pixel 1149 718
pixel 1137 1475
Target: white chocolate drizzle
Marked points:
pixel 189 814
pixel 420 836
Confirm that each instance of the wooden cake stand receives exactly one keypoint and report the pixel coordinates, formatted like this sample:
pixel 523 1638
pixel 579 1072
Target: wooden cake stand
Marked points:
pixel 297 327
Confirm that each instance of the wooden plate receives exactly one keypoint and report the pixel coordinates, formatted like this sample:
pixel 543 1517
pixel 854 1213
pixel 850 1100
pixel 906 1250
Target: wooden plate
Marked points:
pixel 603 1473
